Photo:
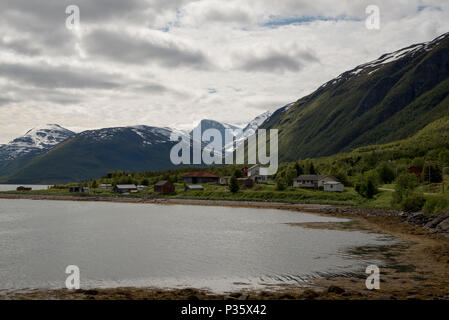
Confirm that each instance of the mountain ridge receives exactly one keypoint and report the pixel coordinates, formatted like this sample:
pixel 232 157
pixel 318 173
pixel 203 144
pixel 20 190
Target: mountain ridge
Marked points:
pixel 378 102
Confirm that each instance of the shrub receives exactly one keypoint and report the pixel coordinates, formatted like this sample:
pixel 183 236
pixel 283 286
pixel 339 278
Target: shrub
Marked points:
pixel 413 203
pixel 234 185
pixel 386 173
pixel 436 205
pixel 366 188
pixel 280 185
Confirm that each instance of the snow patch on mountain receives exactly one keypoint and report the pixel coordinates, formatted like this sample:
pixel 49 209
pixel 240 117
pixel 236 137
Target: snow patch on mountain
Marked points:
pixel 375 65
pixel 36 140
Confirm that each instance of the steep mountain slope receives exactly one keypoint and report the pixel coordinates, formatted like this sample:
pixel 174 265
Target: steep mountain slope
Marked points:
pixel 388 99
pixel 37 141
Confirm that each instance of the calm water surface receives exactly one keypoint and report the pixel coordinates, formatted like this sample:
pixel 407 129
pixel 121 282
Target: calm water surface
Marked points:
pixel 13 187
pixel 117 244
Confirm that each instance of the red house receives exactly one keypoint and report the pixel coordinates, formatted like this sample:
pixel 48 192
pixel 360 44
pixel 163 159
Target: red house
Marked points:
pixel 200 177
pixel 164 187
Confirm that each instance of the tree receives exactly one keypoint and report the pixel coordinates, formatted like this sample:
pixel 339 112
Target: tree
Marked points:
pixel 371 189
pixel 312 169
pixel 432 173
pixel 299 169
pixel 386 173
pixel 234 185
pixel 238 173
pixel 94 184
pixel 366 187
pixel 280 185
pixel 404 196
pixel 145 182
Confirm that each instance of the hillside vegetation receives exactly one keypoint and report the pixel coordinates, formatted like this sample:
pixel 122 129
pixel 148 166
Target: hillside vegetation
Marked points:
pixel 373 104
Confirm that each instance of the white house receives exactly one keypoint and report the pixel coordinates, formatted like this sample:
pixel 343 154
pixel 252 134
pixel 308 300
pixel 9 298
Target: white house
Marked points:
pixel 334 186
pixel 254 174
pixel 312 181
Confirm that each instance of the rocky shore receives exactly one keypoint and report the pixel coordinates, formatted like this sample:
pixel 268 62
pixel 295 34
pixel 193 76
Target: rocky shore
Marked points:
pixel 434 224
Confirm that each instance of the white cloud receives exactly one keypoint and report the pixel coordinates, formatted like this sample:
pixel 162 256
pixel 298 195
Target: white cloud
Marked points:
pixel 174 62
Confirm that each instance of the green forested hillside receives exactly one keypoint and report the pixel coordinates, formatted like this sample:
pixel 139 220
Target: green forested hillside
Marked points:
pixel 375 103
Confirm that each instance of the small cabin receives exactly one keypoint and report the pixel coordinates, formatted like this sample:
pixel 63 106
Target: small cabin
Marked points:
pixel 78 189
pixel 194 188
pixel 254 174
pixel 224 181
pixel 164 186
pixel 125 188
pixel 105 186
pixel 200 177
pixel 334 186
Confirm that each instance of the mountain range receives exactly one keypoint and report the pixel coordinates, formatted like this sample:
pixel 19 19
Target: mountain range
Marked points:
pixel 385 100
pixel 53 154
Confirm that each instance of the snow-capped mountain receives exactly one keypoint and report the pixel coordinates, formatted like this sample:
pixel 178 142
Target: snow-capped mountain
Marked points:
pixel 240 134
pixel 373 66
pixel 35 141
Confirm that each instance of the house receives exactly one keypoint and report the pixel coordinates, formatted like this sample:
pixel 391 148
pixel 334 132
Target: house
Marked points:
pixel 312 181
pixel 415 170
pixel 224 181
pixel 334 186
pixel 140 187
pixel 22 188
pixel 164 186
pixel 194 188
pixel 78 189
pixel 201 177
pixel 254 174
pixel 125 188
pixel 105 186
pixel 245 182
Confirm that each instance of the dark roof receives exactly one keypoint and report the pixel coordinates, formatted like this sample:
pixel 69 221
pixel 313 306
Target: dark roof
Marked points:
pixel 313 177
pixel 195 187
pixel 162 183
pixel 126 186
pixel 201 174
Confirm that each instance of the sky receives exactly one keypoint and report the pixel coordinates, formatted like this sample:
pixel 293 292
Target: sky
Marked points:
pixel 175 62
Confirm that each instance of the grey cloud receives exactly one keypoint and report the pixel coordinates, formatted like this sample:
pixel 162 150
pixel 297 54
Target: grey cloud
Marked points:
pixel 5 100
pixel 23 94
pixel 152 88
pixel 275 61
pixel 124 48
pixel 44 22
pixel 46 76
pixel 20 46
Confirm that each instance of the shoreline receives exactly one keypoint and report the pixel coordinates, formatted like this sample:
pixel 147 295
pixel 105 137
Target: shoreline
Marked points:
pixel 418 269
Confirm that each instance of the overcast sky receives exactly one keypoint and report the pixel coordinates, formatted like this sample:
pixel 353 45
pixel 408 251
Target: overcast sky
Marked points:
pixel 175 62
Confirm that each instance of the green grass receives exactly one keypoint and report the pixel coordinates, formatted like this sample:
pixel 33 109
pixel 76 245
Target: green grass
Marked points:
pixel 216 192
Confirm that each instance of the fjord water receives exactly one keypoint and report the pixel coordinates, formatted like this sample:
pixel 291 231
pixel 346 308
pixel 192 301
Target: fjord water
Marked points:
pixel 116 244
pixel 13 187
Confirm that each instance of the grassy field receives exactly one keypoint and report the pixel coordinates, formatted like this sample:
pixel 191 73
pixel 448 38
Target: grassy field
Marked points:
pixel 261 192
